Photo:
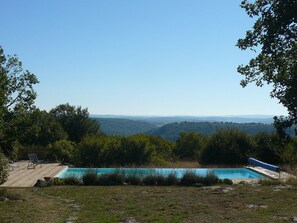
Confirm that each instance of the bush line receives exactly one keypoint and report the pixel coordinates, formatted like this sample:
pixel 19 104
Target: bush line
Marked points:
pixel 189 178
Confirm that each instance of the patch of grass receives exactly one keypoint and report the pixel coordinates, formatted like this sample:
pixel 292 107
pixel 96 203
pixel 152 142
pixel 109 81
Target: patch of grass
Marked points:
pixel 292 181
pixel 7 195
pixel 270 182
pixel 24 205
pixel 179 204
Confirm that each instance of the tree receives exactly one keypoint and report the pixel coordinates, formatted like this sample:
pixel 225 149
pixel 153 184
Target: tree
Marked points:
pixel 227 147
pixel 62 150
pixel 17 95
pixel 75 121
pixel 267 147
pixel 16 85
pixel 189 145
pixel 274 37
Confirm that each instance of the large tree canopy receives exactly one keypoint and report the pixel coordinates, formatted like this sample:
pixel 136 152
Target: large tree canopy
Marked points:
pixel 17 95
pixel 274 39
pixel 75 121
pixel 16 85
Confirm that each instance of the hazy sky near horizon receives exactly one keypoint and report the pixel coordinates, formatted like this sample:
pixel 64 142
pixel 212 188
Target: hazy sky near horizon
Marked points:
pixel 135 57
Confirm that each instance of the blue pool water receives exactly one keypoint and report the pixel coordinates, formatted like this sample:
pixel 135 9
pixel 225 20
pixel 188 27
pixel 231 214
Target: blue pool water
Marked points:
pixel 232 173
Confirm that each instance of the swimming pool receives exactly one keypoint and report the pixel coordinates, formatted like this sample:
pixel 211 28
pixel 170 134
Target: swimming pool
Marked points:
pixel 222 173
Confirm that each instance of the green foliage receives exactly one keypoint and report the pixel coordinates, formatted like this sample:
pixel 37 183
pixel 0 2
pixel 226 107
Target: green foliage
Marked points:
pixel 90 178
pixel 290 153
pixel 209 179
pixel 267 148
pixel 189 145
pixel 110 179
pixel 16 84
pixel 227 181
pixel 150 180
pixel 75 121
pixel 3 192
pixel 189 178
pixel 90 151
pixel 3 168
pixel 62 150
pixel 119 151
pixel 16 97
pixel 274 38
pixel 270 182
pixel 133 179
pixel 41 151
pixel 172 179
pixel 227 147
pixel 57 182
pixel 72 180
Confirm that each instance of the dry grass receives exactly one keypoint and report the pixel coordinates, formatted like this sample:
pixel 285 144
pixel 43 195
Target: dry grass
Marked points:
pixel 289 170
pixel 32 207
pixel 240 203
pixel 292 181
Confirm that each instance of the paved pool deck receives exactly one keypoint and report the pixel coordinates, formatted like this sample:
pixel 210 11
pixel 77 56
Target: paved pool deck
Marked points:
pixel 21 176
pixel 271 174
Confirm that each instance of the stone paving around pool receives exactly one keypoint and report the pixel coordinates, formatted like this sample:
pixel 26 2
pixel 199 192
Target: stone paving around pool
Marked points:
pixel 21 176
pixel 271 174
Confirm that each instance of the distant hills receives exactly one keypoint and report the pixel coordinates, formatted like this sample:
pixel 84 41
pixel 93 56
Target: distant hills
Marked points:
pixel 163 120
pixel 172 131
pixel 125 127
pixel 171 127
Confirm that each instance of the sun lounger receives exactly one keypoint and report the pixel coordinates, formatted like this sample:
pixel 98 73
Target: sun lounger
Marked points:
pixel 33 161
pixel 13 166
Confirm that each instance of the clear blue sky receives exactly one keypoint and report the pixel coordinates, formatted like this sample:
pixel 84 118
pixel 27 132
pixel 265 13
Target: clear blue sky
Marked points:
pixel 135 57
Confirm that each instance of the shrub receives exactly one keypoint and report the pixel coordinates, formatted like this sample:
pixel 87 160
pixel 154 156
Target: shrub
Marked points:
pixel 209 179
pixel 189 178
pixel 61 150
pixel 3 168
pixel 110 179
pixel 133 180
pixel 90 151
pixel 189 145
pixel 57 182
pixel 172 179
pixel 227 181
pixel 161 180
pixel 227 147
pixel 150 180
pixel 72 180
pixel 90 178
